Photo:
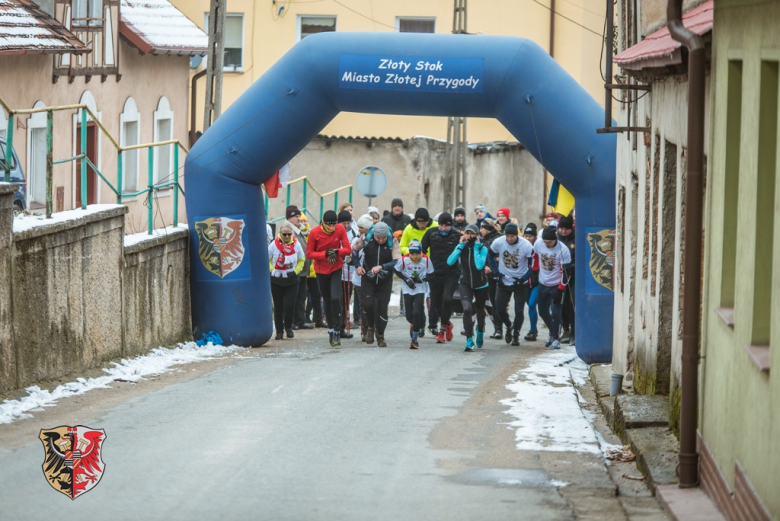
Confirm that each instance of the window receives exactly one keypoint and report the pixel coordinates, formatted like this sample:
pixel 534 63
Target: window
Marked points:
pixel 36 170
pixel 130 134
pixel 415 25
pixel 88 12
pixel 3 124
pixel 308 25
pixel 163 131
pixel 234 41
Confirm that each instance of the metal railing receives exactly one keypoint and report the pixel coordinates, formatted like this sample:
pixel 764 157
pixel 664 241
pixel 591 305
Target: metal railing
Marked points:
pixel 84 111
pixel 306 186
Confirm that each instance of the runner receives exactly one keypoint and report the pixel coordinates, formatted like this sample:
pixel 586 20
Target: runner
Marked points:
pixel 514 254
pixel 286 258
pixel 327 247
pixel 554 259
pixel 530 234
pixel 439 243
pixel 414 269
pixel 473 283
pixel 379 256
pixel 490 233
pixel 459 219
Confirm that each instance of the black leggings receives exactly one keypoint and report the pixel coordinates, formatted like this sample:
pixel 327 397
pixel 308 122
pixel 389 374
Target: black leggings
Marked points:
pixel 330 287
pixel 521 296
pixel 441 296
pixel 374 299
pixel 284 296
pixel 473 299
pixel 415 311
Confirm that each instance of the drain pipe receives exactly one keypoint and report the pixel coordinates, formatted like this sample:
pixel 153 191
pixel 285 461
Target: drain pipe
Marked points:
pixel 194 103
pixel 688 463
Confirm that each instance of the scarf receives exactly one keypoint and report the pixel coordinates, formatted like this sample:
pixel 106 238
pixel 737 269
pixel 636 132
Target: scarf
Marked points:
pixel 328 228
pixel 287 254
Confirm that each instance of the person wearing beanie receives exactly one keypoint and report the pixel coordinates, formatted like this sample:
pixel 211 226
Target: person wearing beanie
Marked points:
pixel 459 219
pixel 286 258
pixel 489 235
pixel 328 245
pixel 472 257
pixel 481 211
pixel 439 242
pixel 554 261
pixel 373 211
pixel 414 269
pixel 566 237
pixel 503 218
pixel 397 220
pixel 515 255
pixel 348 274
pixel 379 256
pixel 415 231
pixel 365 225
pixel 530 234
pixel 293 221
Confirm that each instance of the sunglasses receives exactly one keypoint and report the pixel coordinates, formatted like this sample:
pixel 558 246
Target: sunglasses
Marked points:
pixel 286 234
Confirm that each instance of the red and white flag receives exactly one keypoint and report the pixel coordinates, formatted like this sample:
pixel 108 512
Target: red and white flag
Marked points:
pixel 277 181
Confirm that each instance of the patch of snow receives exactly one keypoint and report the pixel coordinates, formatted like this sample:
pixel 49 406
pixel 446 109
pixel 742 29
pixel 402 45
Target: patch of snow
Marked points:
pixel 157 361
pixel 559 484
pixel 546 406
pixel 144 236
pixel 28 222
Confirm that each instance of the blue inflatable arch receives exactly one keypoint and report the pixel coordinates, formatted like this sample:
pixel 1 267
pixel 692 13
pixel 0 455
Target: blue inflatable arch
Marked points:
pixel 510 79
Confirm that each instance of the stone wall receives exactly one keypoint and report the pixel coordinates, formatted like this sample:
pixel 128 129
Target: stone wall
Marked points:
pixel 78 298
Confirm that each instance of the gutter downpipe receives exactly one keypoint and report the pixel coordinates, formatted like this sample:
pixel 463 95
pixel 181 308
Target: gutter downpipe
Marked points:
pixel 610 49
pixel 688 463
pixel 193 104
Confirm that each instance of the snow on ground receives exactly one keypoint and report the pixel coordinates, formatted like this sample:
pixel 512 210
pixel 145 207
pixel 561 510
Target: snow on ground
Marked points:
pixel 157 361
pixel 546 406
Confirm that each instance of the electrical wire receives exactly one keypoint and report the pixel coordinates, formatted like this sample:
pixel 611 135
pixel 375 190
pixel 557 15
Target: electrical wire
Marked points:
pixel 364 16
pixel 564 17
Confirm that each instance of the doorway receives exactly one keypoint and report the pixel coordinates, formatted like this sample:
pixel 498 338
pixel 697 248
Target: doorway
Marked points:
pixel 92 155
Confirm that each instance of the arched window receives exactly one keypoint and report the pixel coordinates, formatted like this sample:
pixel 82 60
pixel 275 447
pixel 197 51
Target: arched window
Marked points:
pixel 36 156
pixel 129 135
pixel 163 131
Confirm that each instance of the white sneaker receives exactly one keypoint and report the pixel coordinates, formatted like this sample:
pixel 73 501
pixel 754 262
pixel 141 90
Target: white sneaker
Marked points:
pixel 555 345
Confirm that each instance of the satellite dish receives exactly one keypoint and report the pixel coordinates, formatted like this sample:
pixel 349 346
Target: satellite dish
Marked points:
pixel 371 181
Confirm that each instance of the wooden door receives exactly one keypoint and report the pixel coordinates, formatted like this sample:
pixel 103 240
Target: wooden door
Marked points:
pixel 92 155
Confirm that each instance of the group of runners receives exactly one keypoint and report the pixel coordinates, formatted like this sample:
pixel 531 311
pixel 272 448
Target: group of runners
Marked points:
pixel 446 265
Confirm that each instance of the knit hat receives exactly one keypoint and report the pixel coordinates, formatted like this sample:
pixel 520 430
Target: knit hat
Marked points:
pixel 445 218
pixel 504 211
pixel 373 209
pixel 422 215
pixel 530 229
pixel 566 221
pixel 489 223
pixel 345 216
pixel 397 202
pixel 511 229
pixel 381 230
pixel 415 246
pixel 472 228
pixel 292 211
pixel 480 208
pixel 549 233
pixel 365 221
pixel 330 217
pixel 459 211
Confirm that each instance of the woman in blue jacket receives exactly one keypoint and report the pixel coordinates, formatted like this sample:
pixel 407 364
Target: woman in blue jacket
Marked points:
pixel 472 256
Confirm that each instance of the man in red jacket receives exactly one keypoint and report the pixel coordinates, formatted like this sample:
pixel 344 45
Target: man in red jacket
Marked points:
pixel 328 245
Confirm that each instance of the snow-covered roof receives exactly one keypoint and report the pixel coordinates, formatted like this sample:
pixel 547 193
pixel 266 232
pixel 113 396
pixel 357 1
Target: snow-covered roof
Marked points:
pixel 157 27
pixel 25 28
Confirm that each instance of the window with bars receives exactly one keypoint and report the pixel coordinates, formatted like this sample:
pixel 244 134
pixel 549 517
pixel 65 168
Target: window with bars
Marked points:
pixel 308 25
pixel 416 25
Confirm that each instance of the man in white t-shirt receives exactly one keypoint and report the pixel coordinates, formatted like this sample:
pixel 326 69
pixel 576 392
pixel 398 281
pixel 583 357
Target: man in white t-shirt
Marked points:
pixel 554 259
pixel 514 253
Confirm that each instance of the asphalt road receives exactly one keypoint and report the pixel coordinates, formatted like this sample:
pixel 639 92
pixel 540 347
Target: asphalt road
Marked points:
pixel 298 430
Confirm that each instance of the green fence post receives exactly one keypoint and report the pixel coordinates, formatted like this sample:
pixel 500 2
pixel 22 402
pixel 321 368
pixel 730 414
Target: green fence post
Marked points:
pixel 289 187
pixel 305 185
pixel 176 186
pixel 150 180
pixel 49 159
pixel 83 159
pixel 265 200
pixel 322 207
pixel 336 202
pixel 350 195
pixel 9 147
pixel 119 180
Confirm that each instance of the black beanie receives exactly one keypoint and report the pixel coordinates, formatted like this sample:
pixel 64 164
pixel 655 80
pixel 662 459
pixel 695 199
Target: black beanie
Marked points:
pixel 329 217
pixel 445 218
pixel 422 215
pixel 459 211
pixel 397 202
pixel 292 211
pixel 549 233
pixel 530 229
pixel 566 221
pixel 345 216
pixel 510 229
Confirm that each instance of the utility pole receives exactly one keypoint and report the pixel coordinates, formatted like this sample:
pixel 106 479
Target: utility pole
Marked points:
pixel 215 62
pixel 455 187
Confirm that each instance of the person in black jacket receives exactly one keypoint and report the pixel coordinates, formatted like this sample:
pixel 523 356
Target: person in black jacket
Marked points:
pixel 397 220
pixel 459 219
pixel 490 233
pixel 380 255
pixel 566 236
pixel 439 243
pixel 472 256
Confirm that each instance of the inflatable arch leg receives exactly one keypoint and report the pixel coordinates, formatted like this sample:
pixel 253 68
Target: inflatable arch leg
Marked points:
pixel 511 79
